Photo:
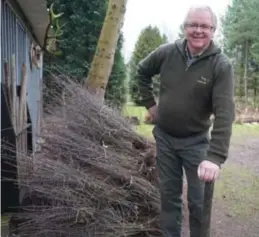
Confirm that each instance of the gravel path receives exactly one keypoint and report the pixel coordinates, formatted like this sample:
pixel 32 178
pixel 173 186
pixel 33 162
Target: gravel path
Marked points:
pixel 244 155
pixel 245 152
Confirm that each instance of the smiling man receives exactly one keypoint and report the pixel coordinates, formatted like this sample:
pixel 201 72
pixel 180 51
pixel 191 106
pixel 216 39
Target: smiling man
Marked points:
pixel 196 81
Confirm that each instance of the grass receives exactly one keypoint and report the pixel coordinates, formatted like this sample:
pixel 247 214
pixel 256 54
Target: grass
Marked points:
pixel 132 110
pixel 4 225
pixel 238 187
pixel 247 129
pixel 139 112
pixel 4 220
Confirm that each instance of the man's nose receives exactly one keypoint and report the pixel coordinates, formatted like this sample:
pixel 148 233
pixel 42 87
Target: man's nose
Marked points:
pixel 198 29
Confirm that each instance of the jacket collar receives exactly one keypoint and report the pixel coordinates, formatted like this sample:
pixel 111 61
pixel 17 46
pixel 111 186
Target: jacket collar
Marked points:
pixel 211 50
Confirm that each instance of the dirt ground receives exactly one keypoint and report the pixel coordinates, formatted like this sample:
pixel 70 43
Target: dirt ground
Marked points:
pixel 236 198
pixel 236 213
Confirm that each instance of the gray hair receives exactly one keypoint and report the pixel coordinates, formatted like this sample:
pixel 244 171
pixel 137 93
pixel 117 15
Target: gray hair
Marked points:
pixel 202 8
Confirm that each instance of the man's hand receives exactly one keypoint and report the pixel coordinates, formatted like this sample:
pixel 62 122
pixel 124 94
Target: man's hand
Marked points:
pixel 153 113
pixel 208 171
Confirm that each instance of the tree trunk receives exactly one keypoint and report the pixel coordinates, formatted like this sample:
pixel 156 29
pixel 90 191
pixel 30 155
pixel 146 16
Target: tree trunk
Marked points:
pixel 245 72
pixel 102 63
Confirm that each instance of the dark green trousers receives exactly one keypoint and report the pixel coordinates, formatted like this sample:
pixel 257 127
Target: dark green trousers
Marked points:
pixel 174 155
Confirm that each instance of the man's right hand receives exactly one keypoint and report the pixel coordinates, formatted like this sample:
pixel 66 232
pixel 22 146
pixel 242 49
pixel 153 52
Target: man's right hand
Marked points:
pixel 153 113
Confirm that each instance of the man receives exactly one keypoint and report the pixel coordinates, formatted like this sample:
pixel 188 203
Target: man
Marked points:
pixel 196 82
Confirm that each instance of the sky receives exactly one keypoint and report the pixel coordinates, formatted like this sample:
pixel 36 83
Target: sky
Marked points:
pixel 168 15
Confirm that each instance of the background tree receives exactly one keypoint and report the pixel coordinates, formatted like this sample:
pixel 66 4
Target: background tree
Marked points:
pixel 149 39
pixel 101 66
pixel 116 91
pixel 241 37
pixel 181 32
pixel 82 22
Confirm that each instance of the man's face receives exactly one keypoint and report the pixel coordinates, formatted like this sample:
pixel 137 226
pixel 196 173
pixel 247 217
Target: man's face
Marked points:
pixel 199 29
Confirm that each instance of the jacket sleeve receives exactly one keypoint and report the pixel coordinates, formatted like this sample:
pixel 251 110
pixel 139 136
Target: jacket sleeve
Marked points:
pixel 147 68
pixel 224 111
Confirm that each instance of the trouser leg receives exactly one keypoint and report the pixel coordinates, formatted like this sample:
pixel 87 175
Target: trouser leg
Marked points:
pixel 170 171
pixel 192 155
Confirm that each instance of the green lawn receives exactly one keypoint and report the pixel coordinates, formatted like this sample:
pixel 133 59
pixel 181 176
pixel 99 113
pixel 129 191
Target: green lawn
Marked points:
pixel 143 129
pixel 238 189
pixel 4 225
pixel 4 220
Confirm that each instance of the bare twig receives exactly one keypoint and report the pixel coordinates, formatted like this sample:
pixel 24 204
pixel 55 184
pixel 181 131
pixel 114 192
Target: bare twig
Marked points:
pixel 87 181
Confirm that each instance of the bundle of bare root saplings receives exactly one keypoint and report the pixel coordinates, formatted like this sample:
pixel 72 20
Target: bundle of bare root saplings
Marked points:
pixel 93 175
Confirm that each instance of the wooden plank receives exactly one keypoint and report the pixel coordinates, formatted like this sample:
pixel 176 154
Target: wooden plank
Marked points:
pixel 7 84
pixel 22 97
pixel 39 116
pixel 14 94
pixel 26 125
pixel 22 116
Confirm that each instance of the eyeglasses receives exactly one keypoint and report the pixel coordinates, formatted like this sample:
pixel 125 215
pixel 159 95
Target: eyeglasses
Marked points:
pixel 195 26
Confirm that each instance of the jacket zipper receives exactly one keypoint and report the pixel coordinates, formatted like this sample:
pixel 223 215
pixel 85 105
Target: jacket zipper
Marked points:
pixel 190 64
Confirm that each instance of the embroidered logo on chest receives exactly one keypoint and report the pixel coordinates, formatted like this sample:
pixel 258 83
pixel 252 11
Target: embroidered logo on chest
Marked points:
pixel 203 80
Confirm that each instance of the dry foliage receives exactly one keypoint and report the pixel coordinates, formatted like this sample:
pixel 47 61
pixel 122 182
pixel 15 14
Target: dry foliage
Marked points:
pixel 94 175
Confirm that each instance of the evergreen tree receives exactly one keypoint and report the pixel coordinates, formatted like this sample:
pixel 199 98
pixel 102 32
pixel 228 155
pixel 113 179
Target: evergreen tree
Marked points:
pixel 241 38
pixel 149 39
pixel 83 20
pixel 116 91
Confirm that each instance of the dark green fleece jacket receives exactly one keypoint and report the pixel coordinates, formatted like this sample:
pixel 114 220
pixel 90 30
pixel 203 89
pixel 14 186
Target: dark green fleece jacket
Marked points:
pixel 190 93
